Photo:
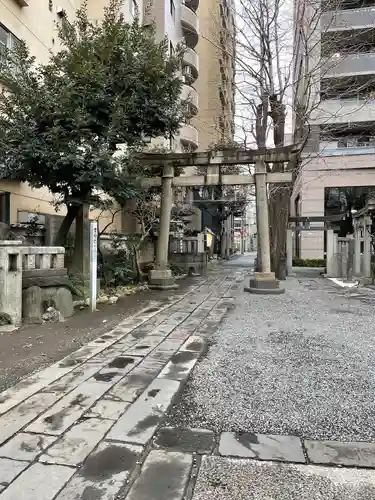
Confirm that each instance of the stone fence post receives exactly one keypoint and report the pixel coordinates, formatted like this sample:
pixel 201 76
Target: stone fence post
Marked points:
pixel 332 264
pixel 367 247
pixel 10 284
pixel 289 251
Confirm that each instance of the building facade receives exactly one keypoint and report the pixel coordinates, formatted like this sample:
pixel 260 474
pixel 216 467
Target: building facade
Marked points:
pixel 338 167
pixel 178 20
pixel 215 83
pixel 36 23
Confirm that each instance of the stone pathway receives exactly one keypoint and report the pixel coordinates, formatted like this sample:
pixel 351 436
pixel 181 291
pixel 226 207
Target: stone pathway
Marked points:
pixel 101 423
pixel 83 427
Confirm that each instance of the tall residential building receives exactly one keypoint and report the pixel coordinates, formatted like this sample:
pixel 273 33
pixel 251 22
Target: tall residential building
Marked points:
pixel 215 83
pixel 338 169
pixel 177 20
pixel 36 22
pixel 215 86
pixel 207 69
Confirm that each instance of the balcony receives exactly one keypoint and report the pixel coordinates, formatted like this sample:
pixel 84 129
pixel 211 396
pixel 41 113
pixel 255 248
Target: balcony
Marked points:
pixel 338 111
pixel 189 136
pixel 349 65
pixel 192 4
pixel 351 19
pixel 190 95
pixel 192 61
pixel 347 147
pixel 190 26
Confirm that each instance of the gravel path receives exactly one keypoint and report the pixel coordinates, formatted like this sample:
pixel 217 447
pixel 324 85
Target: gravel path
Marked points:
pixel 226 479
pixel 299 364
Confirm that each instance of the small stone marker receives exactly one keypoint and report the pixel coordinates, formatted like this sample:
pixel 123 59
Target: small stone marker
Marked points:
pixel 338 453
pixel 261 446
pixel 186 440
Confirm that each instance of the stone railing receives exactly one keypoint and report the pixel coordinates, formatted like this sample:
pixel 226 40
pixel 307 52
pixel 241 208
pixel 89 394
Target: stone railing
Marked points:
pixel 188 253
pixel 34 258
pixel 341 261
pixel 187 245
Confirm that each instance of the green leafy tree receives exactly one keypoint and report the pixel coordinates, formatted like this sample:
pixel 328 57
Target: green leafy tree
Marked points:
pixel 61 122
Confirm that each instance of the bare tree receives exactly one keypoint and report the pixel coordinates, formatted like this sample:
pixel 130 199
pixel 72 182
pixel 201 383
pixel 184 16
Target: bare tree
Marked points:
pixel 286 57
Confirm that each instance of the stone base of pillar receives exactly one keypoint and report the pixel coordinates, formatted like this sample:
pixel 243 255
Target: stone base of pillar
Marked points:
pixel 161 279
pixel 265 284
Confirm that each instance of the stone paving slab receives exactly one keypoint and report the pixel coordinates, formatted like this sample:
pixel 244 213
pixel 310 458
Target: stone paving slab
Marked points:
pixel 68 409
pixel 107 408
pixel 18 417
pixel 72 379
pixel 139 422
pixel 9 470
pixel 39 482
pixel 261 446
pixel 77 443
pixel 198 441
pixel 337 453
pixel 222 478
pixel 103 474
pixel 145 345
pixel 184 360
pixel 164 476
pixel 25 446
pixel 132 386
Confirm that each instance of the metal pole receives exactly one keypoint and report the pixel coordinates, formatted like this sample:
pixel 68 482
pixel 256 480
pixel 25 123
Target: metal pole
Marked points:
pixel 93 263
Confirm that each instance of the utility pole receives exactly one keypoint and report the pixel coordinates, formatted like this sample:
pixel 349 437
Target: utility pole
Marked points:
pixel 161 277
pixel 265 281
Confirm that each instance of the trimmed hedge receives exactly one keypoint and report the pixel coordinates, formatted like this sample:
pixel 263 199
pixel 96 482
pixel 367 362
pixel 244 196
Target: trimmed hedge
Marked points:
pixel 308 262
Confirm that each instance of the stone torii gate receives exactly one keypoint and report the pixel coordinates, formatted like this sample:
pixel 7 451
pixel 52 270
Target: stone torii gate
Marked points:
pixel 264 282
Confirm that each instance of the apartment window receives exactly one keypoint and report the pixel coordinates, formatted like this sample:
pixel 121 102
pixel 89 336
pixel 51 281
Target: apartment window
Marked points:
pixel 172 9
pixel 133 8
pixel 7 42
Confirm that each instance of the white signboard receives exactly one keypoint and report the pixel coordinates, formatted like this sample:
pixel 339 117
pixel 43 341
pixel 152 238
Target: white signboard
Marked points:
pixel 93 263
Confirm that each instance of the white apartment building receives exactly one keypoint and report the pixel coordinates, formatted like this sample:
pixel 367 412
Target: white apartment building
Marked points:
pixel 36 22
pixel 338 169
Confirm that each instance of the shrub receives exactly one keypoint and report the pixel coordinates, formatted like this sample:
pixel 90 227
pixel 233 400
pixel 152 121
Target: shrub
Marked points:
pixel 117 264
pixel 297 262
pixel 176 269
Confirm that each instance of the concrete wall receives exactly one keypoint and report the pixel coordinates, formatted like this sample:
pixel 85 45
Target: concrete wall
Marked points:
pixel 318 173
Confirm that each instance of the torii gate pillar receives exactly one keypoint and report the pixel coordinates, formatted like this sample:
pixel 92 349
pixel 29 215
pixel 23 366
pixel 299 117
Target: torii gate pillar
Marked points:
pixel 264 282
pixel 161 277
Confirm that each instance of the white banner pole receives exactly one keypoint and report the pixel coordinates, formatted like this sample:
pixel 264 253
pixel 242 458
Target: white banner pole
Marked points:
pixel 93 263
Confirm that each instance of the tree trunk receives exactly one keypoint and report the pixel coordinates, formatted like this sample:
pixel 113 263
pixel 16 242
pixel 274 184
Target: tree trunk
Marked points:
pixel 279 215
pixel 136 265
pixel 62 233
